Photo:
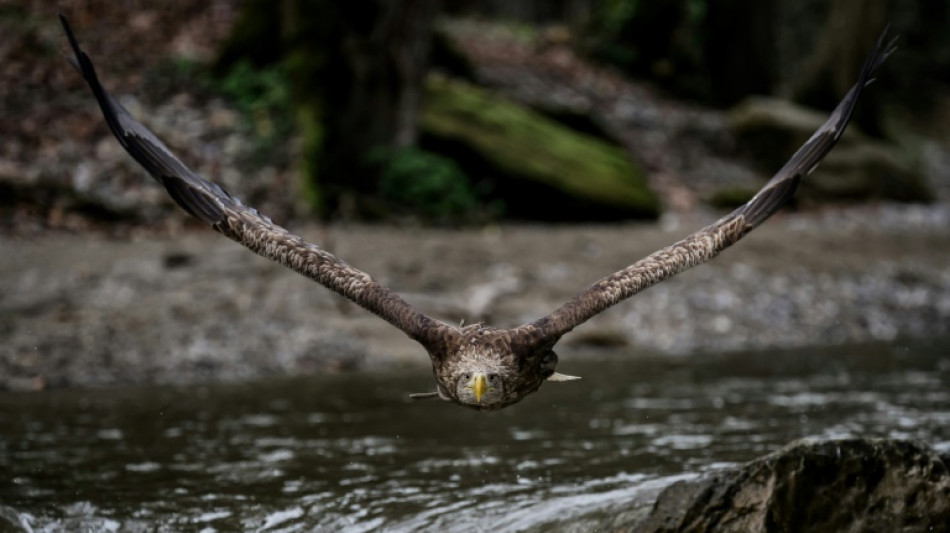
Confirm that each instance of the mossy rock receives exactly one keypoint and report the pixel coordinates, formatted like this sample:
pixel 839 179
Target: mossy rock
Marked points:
pixel 538 168
pixel 858 169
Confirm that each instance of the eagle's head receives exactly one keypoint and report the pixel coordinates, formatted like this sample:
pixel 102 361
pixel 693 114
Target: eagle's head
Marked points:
pixel 481 389
pixel 481 375
pixel 487 369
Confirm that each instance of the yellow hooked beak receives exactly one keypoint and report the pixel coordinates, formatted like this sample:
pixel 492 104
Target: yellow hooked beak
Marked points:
pixel 479 386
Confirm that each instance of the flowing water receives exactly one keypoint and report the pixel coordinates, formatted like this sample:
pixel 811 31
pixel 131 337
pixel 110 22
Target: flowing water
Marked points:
pixel 347 452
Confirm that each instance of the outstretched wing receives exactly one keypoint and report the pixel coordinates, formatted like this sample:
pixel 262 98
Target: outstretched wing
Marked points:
pixel 226 214
pixel 709 241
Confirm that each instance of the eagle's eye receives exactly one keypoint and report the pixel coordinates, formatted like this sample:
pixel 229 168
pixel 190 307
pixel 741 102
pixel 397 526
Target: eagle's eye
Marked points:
pixel 493 380
pixel 466 377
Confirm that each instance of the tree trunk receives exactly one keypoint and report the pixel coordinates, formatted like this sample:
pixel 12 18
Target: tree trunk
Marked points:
pixel 368 81
pixel 357 70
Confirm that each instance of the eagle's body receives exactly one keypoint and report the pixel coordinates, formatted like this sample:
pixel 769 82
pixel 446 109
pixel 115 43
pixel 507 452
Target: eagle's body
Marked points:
pixel 476 365
pixel 501 352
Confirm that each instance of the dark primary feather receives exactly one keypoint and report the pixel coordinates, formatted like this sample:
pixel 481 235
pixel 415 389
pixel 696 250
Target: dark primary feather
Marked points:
pixel 213 205
pixel 709 241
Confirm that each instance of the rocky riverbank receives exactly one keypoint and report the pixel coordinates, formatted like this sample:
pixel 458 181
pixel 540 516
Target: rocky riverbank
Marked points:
pixel 84 309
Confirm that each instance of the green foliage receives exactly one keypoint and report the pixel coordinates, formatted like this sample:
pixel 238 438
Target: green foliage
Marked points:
pixel 424 183
pixel 657 39
pixel 615 14
pixel 263 97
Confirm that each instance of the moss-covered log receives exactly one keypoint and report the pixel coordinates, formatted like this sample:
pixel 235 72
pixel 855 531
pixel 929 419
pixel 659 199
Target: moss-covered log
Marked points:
pixel 538 168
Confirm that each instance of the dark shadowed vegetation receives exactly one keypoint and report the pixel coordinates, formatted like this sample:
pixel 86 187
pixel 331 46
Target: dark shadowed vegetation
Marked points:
pixel 578 110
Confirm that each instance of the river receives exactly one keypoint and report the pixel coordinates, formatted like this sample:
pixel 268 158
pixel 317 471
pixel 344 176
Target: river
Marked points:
pixel 349 452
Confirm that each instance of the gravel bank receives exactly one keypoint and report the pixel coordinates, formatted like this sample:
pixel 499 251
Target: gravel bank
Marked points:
pixel 84 310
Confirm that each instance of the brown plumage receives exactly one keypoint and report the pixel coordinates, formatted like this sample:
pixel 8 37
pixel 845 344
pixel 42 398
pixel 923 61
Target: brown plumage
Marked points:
pixel 476 366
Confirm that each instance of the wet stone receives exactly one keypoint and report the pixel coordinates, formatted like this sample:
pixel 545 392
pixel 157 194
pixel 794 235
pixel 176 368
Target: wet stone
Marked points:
pixel 834 485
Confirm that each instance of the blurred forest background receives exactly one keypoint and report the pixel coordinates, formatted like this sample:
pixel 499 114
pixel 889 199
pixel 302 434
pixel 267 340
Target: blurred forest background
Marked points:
pixel 465 112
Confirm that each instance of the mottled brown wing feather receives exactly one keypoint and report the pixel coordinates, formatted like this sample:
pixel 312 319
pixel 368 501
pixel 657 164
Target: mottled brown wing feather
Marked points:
pixel 709 241
pixel 213 205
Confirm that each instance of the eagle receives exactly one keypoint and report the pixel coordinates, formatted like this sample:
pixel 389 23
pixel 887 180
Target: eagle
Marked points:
pixel 475 365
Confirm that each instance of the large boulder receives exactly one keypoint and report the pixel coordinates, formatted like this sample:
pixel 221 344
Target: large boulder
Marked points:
pixel 858 169
pixel 538 168
pixel 844 485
